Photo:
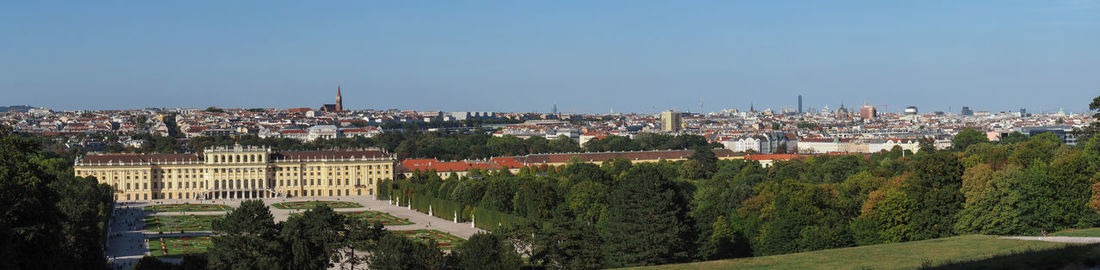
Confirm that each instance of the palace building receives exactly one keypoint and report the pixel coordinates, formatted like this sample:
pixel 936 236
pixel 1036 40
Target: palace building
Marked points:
pixel 240 173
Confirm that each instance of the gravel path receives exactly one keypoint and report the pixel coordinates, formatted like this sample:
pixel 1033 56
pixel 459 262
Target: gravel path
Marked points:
pixel 1061 239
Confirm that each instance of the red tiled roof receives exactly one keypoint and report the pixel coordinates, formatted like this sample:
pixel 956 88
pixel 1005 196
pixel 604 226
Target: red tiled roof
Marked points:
pixel 432 164
pixel 601 156
pixel 334 154
pixel 774 157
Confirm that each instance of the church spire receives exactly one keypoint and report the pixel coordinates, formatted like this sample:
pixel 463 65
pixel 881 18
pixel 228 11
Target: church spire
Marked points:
pixel 339 102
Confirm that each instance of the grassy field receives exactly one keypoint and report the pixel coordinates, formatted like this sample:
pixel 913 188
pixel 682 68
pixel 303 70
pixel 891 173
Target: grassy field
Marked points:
pixel 187 223
pixel 909 255
pixel 1090 232
pixel 442 240
pixel 186 207
pixel 178 246
pixel 311 204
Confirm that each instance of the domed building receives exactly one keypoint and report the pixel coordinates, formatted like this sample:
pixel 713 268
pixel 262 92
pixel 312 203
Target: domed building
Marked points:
pixel 911 110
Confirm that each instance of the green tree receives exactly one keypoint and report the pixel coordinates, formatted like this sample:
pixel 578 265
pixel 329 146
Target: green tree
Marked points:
pixel 706 158
pixel 968 137
pixel 692 169
pixel 397 252
pixel 645 221
pixel 564 243
pixel 487 251
pixel 506 145
pixel 247 238
pixel 314 239
pixel 536 199
pixel 588 201
pixel 721 240
pixel 564 144
pixel 616 166
pixel 62 225
pixel 934 188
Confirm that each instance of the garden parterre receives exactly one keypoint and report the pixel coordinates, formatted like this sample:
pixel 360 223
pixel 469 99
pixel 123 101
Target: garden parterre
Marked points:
pixel 178 246
pixel 442 239
pixel 311 204
pixel 176 223
pixel 187 207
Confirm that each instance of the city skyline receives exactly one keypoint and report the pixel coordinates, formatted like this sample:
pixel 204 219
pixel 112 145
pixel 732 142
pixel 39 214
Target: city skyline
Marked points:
pixel 644 57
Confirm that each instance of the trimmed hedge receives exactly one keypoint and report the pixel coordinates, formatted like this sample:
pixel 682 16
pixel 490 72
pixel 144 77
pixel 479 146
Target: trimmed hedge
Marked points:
pixel 487 219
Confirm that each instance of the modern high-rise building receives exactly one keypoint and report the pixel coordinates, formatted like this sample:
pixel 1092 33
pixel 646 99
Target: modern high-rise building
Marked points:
pixel 867 112
pixel 799 104
pixel 966 111
pixel 670 120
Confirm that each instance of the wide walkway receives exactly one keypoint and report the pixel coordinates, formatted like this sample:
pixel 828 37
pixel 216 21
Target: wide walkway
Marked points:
pixel 1060 239
pixel 127 237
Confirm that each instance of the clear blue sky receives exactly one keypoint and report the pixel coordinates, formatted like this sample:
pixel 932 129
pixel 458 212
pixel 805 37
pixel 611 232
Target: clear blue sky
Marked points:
pixel 586 56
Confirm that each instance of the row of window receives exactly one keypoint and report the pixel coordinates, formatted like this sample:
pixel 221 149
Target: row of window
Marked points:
pixel 237 158
pixel 225 170
pixel 191 195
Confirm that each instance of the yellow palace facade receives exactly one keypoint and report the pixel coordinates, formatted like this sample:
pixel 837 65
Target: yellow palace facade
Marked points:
pixel 240 173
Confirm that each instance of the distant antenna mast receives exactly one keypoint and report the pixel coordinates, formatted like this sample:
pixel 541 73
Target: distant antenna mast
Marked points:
pixel 700 105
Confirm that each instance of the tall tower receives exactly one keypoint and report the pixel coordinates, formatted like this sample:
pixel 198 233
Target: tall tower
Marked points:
pixel 799 104
pixel 339 102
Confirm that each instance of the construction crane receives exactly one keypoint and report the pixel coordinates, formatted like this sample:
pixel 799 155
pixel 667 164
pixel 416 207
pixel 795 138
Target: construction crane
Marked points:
pixel 885 107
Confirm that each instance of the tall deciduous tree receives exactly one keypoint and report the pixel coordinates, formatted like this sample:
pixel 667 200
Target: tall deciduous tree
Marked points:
pixel 397 252
pixel 247 238
pixel 314 239
pixel 487 251
pixel 968 137
pixel 646 221
pixel 564 243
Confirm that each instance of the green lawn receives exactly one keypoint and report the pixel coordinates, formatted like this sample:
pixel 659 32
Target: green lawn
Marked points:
pixel 371 217
pixel 907 255
pixel 311 204
pixel 187 207
pixel 177 223
pixel 178 246
pixel 1090 232
pixel 443 240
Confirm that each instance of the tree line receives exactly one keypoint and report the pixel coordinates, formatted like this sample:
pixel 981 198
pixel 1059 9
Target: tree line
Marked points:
pixel 51 219
pixel 618 214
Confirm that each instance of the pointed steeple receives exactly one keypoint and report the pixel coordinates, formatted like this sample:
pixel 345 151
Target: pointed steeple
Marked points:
pixel 339 102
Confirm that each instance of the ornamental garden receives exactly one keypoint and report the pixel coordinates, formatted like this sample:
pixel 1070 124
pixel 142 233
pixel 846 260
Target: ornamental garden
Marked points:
pixel 371 217
pixel 442 239
pixel 178 223
pixel 187 207
pixel 178 246
pixel 311 204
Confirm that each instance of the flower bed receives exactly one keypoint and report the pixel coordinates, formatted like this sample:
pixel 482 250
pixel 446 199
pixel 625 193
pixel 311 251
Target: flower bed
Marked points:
pixel 187 207
pixel 442 240
pixel 371 217
pixel 179 223
pixel 311 204
pixel 178 246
